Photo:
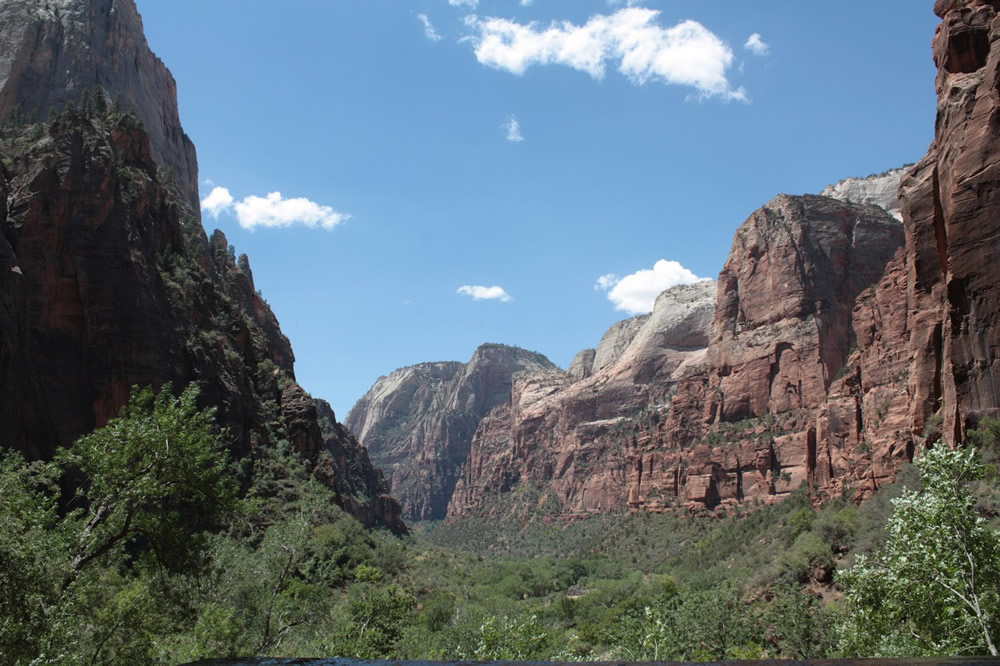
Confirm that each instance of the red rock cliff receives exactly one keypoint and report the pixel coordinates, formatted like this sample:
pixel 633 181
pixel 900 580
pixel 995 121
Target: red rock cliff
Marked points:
pixel 841 340
pixel 951 206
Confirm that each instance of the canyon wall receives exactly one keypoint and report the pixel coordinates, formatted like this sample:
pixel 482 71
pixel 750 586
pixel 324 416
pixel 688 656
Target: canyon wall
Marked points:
pixel 417 423
pixel 842 341
pixel 107 278
pixel 53 50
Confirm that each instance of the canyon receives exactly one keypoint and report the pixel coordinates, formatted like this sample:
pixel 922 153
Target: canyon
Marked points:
pixel 845 332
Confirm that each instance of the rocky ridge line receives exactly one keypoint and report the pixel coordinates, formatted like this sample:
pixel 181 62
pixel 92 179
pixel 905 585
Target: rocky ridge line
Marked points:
pixel 417 423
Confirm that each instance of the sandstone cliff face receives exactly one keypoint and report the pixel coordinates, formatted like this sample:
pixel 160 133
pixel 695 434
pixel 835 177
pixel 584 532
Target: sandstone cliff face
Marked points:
pixel 762 389
pixel 951 205
pixel 573 435
pixel 417 423
pixel 842 341
pixel 107 280
pixel 53 50
pixel 880 190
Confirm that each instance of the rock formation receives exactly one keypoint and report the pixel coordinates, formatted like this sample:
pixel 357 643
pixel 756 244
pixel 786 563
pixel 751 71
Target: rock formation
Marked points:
pixel 417 423
pixel 951 207
pixel 51 51
pixel 107 279
pixel 880 189
pixel 572 435
pixel 841 341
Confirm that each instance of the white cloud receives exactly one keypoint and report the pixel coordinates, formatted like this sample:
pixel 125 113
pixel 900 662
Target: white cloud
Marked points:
pixel 686 54
pixel 756 45
pixel 271 211
pixel 636 293
pixel 605 282
pixel 217 201
pixel 481 293
pixel 275 211
pixel 512 130
pixel 429 30
pixel 526 3
pixel 471 4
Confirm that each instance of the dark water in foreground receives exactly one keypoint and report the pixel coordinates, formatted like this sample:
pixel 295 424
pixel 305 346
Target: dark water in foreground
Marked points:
pixel 938 661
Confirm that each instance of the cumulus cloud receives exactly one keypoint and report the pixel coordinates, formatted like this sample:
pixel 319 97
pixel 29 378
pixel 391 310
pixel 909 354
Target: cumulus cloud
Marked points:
pixel 217 201
pixel 272 210
pixel 471 4
pixel 481 293
pixel 276 211
pixel 756 45
pixel 429 30
pixel 512 130
pixel 686 54
pixel 636 293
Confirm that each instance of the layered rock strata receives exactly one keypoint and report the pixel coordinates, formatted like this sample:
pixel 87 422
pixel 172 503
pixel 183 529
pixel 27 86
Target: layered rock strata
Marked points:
pixel 572 435
pixel 51 51
pixel 842 341
pixel 741 407
pixel 417 423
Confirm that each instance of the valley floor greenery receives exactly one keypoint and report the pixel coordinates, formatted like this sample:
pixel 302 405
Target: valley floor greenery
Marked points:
pixel 143 543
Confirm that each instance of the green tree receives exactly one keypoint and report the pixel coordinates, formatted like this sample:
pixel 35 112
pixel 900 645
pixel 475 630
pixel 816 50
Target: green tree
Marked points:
pixel 521 637
pixel 93 585
pixel 935 585
pixel 156 478
pixel 33 552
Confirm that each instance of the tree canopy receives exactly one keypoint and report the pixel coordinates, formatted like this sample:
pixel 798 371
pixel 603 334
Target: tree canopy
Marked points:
pixel 935 585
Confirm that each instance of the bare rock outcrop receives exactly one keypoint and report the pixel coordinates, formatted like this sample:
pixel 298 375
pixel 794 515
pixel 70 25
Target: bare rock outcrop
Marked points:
pixel 951 207
pixel 582 365
pixel 51 51
pixel 722 395
pixel 842 340
pixel 616 340
pixel 880 189
pixel 417 423
pixel 571 435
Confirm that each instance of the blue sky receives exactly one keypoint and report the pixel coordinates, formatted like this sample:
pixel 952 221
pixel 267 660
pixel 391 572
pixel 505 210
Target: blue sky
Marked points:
pixel 455 172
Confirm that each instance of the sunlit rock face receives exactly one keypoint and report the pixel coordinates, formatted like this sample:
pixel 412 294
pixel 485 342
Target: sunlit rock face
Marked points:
pixel 951 207
pixel 575 434
pixel 880 190
pixel 842 340
pixel 417 423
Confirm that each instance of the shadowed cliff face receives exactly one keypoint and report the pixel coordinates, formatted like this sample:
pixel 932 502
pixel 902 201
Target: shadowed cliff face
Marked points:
pixel 418 422
pixel 107 279
pixel 53 50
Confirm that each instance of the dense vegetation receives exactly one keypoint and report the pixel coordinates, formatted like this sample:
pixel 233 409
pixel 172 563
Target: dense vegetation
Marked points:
pixel 138 545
